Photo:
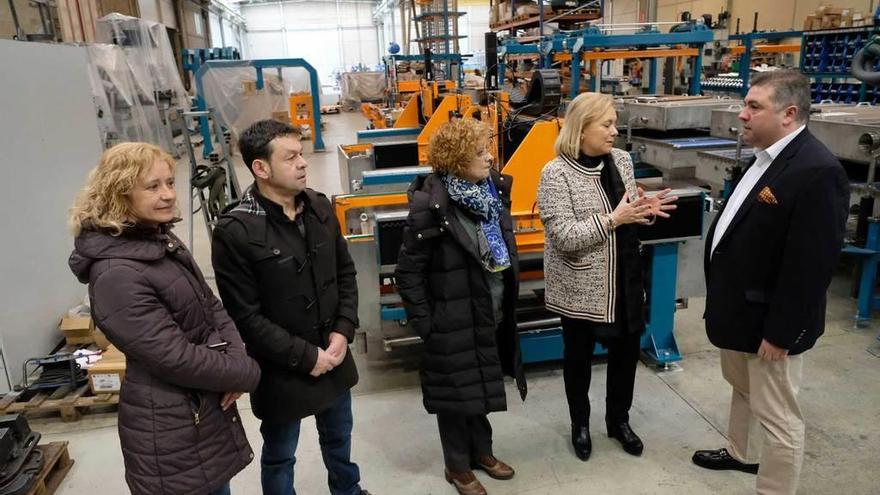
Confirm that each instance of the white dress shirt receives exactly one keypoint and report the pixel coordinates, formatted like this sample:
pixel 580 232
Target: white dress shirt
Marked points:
pixel 763 159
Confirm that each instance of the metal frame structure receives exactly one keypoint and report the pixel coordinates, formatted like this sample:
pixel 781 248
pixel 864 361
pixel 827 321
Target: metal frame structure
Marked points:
pixel 748 43
pixel 587 43
pixel 259 65
pixel 869 257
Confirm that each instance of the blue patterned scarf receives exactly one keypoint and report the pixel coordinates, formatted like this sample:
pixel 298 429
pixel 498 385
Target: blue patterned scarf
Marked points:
pixel 482 200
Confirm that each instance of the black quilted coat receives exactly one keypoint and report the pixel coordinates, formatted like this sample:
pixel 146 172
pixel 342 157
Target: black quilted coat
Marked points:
pixel 151 300
pixel 448 303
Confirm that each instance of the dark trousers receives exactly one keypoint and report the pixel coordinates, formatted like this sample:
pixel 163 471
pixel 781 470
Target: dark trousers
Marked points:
pixel 334 435
pixel 223 490
pixel 464 438
pixel 623 356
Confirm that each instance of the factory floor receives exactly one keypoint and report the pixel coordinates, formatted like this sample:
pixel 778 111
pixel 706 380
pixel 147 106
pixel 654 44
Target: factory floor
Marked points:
pixel 397 447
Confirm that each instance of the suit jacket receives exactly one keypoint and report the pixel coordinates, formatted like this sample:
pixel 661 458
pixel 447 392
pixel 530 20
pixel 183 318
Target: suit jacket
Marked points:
pixel 771 269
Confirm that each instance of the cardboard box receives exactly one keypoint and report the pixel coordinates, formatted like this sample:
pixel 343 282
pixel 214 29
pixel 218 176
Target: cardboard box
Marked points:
pixel 249 88
pixel 101 340
pixel 808 22
pixel 106 375
pixel 504 13
pixel 78 329
pixel 830 21
pixel 283 116
pixel 828 9
pixel 531 9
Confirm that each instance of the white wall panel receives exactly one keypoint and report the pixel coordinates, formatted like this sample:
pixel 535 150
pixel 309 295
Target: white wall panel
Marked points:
pixel 312 15
pixel 332 37
pixel 228 36
pixel 261 17
pixel 216 37
pixel 266 45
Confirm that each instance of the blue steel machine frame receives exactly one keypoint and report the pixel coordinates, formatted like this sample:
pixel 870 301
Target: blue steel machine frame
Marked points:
pixel 748 42
pixel 259 65
pixel 591 38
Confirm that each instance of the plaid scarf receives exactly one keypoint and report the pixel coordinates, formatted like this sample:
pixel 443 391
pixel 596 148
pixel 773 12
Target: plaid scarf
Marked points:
pixel 251 206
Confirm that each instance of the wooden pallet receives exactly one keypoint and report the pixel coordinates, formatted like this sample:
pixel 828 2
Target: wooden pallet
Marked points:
pixel 69 403
pixel 56 464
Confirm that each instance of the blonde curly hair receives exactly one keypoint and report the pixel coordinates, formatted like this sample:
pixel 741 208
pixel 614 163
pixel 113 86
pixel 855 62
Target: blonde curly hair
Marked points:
pixel 105 200
pixel 455 144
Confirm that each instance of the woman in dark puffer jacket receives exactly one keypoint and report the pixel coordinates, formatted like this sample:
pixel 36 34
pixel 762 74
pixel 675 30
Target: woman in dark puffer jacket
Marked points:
pixel 178 425
pixel 457 274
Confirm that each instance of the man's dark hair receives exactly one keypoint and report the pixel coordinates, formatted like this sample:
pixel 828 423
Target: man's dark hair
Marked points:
pixel 255 141
pixel 790 87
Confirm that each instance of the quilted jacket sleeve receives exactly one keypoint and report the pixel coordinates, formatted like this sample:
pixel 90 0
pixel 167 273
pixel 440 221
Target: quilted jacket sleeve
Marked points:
pixel 127 308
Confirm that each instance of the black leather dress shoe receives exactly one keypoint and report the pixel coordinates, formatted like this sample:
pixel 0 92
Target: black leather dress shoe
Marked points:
pixel 722 460
pixel 580 440
pixel 622 432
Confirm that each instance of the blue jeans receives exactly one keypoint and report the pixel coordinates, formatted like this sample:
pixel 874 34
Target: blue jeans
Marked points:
pixel 334 435
pixel 223 490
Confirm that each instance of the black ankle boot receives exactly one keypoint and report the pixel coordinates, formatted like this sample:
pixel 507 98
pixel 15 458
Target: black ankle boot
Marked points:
pixel 580 440
pixel 622 432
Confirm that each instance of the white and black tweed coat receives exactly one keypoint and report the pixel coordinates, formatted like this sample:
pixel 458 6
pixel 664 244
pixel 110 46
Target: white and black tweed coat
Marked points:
pixel 579 248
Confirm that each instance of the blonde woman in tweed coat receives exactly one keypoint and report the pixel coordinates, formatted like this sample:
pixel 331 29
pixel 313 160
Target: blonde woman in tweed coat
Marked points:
pixel 590 207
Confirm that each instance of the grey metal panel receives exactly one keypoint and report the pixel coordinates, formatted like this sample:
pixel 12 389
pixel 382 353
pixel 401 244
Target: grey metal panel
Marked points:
pixel 837 126
pixel 714 165
pixel 842 138
pixel 664 156
pixel 49 137
pixel 691 281
pixel 680 113
pixel 724 122
pixel 351 168
pixel 363 252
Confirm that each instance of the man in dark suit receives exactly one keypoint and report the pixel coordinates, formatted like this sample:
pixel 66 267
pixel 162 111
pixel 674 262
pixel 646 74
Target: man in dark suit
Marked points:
pixel 769 259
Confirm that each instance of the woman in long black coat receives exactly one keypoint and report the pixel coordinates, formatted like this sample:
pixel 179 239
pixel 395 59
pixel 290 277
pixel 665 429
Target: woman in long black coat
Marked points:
pixel 457 274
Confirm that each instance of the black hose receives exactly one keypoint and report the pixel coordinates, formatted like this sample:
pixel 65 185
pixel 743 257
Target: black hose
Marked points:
pixel 863 64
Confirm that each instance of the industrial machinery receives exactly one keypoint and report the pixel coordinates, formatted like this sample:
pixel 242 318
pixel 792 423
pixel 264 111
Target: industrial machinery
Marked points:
pixel 229 103
pixel 670 132
pixel 135 84
pixel 373 214
pixel 592 47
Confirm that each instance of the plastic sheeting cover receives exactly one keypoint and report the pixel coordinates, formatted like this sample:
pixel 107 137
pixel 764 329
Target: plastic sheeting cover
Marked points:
pixel 357 87
pixel 125 112
pixel 229 92
pixel 149 53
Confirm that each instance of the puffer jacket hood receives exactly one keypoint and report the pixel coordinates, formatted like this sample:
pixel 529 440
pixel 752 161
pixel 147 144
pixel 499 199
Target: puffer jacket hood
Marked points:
pixel 93 245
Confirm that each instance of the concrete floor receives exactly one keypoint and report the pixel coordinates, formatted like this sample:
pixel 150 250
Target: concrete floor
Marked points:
pixel 398 450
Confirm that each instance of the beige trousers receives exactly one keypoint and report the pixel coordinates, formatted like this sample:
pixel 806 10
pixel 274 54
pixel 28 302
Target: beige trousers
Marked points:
pixel 766 424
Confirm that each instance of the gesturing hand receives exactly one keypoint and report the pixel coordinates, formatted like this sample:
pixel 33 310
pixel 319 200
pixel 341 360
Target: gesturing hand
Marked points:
pixel 631 211
pixel 659 203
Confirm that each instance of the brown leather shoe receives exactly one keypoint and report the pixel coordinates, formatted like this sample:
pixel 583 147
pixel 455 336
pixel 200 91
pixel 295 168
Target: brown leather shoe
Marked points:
pixel 493 467
pixel 466 483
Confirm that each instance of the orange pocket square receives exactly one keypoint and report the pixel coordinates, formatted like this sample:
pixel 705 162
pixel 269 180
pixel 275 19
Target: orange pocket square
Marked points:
pixel 766 196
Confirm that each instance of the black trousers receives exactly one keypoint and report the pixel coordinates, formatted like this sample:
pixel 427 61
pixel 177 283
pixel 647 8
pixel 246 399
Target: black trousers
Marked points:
pixel 464 438
pixel 623 356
